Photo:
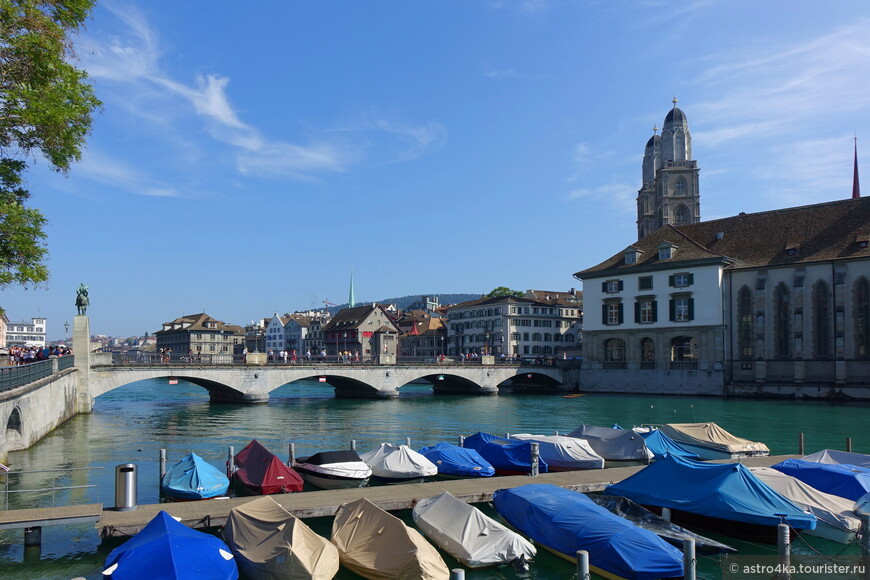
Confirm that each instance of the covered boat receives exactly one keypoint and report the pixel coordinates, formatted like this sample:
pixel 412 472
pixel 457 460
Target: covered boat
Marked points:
pixel 564 453
pixel 849 481
pixel 614 444
pixel 565 521
pixel 710 441
pixel 720 497
pixel 192 478
pixel 508 457
pixel 398 464
pixel 836 519
pixel 259 472
pixel 269 543
pixel 167 549
pixel 839 457
pixel 660 445
pixel 668 531
pixel 377 545
pixel 455 461
pixel 467 534
pixel 334 469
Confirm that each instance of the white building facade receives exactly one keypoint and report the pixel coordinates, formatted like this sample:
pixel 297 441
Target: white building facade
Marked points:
pixel 25 333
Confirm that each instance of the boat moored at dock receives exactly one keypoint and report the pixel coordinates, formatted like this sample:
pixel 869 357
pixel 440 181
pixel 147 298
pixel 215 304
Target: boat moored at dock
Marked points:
pixel 710 441
pixel 334 469
pixel 193 478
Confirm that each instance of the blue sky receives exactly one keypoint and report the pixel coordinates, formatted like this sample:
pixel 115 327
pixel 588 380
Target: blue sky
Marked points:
pixel 248 155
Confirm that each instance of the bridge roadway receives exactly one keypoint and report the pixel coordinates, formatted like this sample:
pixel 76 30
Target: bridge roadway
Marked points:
pixel 309 504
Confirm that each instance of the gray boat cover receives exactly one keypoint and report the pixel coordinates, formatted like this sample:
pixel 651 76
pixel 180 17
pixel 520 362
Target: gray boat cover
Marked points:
pixel 562 452
pixel 379 546
pixel 614 444
pixel 713 436
pixel 467 534
pixel 835 457
pixel 269 543
pixel 831 509
pixel 402 462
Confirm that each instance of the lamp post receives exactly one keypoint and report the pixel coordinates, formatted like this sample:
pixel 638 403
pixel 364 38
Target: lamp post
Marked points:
pixel 345 343
pixel 66 331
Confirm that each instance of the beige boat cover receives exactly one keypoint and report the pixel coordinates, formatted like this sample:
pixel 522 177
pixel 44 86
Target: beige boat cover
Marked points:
pixel 713 436
pixel 831 509
pixel 377 545
pixel 467 534
pixel 269 543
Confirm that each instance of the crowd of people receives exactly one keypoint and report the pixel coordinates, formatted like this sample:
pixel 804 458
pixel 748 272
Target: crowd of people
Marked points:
pixel 20 355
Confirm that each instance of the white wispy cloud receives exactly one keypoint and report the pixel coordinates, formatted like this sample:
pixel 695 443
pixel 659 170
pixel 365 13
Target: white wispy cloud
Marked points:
pixel 105 169
pixel 619 197
pixel 132 64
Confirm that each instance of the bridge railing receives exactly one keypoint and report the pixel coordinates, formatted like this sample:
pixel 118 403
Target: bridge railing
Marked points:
pixel 223 359
pixel 18 376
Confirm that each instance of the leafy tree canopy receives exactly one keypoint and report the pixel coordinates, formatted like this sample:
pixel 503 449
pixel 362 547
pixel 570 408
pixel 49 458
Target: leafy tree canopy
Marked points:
pixel 503 291
pixel 45 111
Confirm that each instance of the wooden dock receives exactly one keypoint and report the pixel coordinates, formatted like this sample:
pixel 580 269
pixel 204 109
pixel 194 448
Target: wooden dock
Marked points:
pixel 311 504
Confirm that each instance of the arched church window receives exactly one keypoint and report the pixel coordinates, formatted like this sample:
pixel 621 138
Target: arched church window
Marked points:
pixel 822 320
pixel 744 323
pixel 681 215
pixel 680 186
pixel 781 322
pixel 861 303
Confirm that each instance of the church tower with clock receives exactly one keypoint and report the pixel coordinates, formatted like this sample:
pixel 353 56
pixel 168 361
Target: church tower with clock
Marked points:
pixel 669 193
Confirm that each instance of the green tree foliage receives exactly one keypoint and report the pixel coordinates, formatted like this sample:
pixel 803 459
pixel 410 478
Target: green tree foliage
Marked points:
pixel 503 291
pixel 45 111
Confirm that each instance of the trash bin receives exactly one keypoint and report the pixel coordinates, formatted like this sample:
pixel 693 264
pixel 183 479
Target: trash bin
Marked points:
pixel 125 487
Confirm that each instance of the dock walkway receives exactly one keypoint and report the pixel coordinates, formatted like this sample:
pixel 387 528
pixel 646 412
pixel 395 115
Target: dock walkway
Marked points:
pixel 309 504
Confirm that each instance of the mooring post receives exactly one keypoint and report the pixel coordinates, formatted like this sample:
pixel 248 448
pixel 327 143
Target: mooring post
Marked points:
pixel 462 440
pixel 800 443
pixel 408 441
pixel 507 435
pixel 848 445
pixel 666 514
pixel 231 458
pixel 783 546
pixel 162 464
pixel 556 433
pixel 689 558
pixel 534 458
pixel 583 565
pixel 353 444
pixel 291 457
pixel 457 574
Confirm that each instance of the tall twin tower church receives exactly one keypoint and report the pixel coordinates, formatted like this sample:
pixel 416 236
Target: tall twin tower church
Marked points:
pixel 669 194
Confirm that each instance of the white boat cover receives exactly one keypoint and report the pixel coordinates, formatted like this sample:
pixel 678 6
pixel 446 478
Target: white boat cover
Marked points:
pixel 269 543
pixel 402 462
pixel 379 546
pixel 562 452
pixel 713 436
pixel 614 444
pixel 467 534
pixel 835 457
pixel 831 509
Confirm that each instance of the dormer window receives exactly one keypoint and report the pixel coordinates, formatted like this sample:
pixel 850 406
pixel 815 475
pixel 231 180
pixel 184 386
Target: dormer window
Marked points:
pixel 791 249
pixel 632 255
pixel 861 240
pixel 666 250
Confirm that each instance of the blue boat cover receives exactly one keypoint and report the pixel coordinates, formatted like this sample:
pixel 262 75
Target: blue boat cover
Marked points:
pixel 567 521
pixel 193 478
pixel 849 481
pixel 168 550
pixel 729 491
pixel 660 444
pixel 504 454
pixel 454 460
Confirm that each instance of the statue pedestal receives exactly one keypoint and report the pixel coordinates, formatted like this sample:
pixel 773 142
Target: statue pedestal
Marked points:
pixel 81 348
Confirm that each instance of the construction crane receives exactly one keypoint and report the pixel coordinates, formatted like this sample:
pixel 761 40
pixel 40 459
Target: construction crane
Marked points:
pixel 328 303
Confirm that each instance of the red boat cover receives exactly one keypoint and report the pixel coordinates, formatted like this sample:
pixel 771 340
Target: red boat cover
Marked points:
pixel 263 473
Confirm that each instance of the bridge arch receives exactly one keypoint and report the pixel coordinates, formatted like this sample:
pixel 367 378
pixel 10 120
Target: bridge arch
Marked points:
pixel 14 428
pixel 530 381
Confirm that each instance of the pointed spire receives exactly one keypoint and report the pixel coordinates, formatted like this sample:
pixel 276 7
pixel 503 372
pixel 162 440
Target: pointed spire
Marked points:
pixel 856 188
pixel 351 300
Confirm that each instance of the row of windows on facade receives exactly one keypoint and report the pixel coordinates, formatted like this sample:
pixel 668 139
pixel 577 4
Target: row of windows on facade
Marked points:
pixel 682 349
pixel 457 326
pixel 483 312
pixel 680 309
pixel 827 323
pixel 535 336
pixel 680 280
pixel 24 329
pixel 839 277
